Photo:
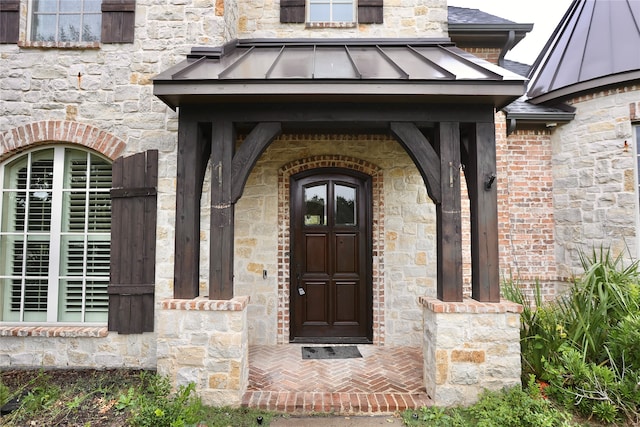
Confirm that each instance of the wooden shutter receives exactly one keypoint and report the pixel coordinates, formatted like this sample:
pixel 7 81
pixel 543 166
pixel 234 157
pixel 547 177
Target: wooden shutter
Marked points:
pixel 9 21
pixel 118 21
pixel 292 11
pixel 133 243
pixel 370 11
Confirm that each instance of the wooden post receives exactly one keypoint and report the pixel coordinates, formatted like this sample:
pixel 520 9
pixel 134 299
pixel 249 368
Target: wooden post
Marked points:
pixel 448 214
pixel 193 154
pixel 222 211
pixel 483 195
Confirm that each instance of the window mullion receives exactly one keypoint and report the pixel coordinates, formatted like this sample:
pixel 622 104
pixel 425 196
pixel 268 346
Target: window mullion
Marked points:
pixel 25 238
pixel 85 250
pixel 55 235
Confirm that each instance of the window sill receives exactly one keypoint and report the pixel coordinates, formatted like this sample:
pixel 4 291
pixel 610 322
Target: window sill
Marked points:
pixel 54 331
pixel 331 24
pixel 59 45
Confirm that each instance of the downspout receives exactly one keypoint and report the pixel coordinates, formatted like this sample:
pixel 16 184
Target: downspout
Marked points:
pixel 511 41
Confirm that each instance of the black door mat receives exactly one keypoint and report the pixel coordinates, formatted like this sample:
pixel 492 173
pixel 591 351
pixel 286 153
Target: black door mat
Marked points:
pixel 331 352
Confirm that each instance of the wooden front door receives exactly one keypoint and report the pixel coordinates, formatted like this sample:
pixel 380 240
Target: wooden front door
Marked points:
pixel 331 293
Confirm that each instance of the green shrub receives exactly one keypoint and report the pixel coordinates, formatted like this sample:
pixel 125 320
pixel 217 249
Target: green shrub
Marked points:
pixel 515 407
pixel 586 344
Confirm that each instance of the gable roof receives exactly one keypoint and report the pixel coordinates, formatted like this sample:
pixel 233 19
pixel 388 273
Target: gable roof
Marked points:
pixel 595 45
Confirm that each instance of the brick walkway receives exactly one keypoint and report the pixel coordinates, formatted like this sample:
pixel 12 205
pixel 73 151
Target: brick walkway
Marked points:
pixel 384 380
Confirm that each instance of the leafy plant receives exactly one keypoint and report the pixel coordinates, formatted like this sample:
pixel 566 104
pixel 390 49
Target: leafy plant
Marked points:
pixel 515 407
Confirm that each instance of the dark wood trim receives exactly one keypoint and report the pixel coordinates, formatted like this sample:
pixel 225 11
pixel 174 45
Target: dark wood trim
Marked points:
pixel 370 12
pixel 117 193
pixel 133 244
pixel 193 154
pixel 248 153
pixel 131 289
pixel 423 155
pixel 222 211
pixel 326 114
pixel 292 11
pixel 9 21
pixel 448 214
pixel 483 195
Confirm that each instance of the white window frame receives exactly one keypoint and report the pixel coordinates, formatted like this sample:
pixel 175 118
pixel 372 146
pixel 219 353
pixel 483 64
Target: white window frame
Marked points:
pixel 30 15
pixel 331 3
pixel 56 236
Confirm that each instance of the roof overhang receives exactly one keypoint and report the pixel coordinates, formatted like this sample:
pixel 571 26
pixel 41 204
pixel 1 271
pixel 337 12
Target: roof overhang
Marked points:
pixel 487 35
pixel 336 70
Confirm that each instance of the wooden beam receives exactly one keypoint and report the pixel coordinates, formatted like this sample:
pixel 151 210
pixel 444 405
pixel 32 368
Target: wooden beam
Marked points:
pixel 483 195
pixel 245 159
pixel 448 214
pixel 193 154
pixel 326 114
pixel 423 155
pixel 222 210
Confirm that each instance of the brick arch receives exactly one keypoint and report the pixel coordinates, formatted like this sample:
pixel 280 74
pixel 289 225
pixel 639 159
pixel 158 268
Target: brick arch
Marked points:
pixel 23 137
pixel 284 242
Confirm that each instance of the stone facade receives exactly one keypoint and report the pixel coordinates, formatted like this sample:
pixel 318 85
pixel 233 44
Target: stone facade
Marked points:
pixel 595 178
pixel 73 347
pixel 205 342
pixel 469 347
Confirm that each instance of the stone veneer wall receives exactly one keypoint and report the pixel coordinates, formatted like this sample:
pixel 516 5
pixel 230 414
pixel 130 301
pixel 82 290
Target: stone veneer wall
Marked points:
pixel 405 245
pixel 74 347
pixel 594 178
pixel 469 347
pixel 406 18
pixel 205 342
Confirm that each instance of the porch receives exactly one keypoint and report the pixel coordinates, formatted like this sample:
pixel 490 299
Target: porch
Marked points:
pixel 383 380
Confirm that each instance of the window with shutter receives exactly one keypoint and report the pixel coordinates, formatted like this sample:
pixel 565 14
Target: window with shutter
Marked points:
pixel 55 222
pixel 331 11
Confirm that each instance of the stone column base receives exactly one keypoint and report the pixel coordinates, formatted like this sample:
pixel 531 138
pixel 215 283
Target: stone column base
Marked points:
pixel 469 346
pixel 205 342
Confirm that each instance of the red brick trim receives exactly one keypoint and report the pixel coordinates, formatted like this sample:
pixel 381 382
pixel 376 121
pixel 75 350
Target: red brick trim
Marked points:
pixel 20 138
pixel 204 304
pixel 339 161
pixel 54 331
pixel 470 306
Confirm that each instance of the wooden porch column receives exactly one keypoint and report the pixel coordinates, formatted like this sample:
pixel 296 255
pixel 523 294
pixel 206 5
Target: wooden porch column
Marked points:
pixel 480 171
pixel 448 214
pixel 193 154
pixel 222 211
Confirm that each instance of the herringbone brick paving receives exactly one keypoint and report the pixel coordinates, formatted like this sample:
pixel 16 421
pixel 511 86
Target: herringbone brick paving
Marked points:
pixel 384 380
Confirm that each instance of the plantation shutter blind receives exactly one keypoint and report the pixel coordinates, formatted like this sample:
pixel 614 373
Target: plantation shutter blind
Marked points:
pixel 133 243
pixel 9 21
pixel 85 239
pixel 118 21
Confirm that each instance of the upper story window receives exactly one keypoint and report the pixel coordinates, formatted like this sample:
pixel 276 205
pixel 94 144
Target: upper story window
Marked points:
pixel 331 11
pixel 65 20
pixel 67 23
pixel 55 223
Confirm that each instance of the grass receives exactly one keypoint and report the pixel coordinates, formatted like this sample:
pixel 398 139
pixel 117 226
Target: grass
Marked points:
pixel 111 398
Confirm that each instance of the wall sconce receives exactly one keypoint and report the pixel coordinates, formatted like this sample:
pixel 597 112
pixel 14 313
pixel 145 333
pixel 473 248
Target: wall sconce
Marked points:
pixel 489 181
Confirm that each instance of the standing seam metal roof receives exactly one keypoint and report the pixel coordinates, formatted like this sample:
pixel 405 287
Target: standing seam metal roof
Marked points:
pixel 595 45
pixel 336 67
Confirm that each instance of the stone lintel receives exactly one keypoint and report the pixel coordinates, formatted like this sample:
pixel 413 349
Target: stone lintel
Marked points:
pixel 204 304
pixel 469 306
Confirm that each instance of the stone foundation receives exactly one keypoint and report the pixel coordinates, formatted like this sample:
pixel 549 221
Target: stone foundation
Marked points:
pixel 77 347
pixel 205 342
pixel 469 347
